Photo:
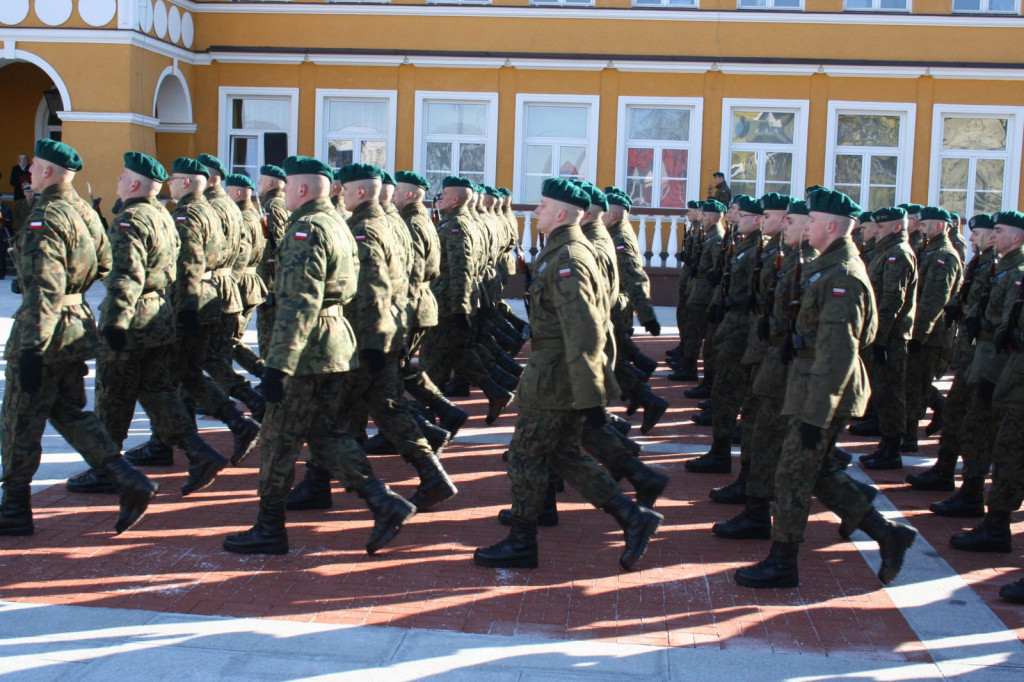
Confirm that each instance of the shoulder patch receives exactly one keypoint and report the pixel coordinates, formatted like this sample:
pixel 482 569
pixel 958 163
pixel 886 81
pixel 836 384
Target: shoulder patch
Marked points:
pixel 564 272
pixel 838 291
pixel 125 226
pixel 940 261
pixel 35 225
pixel 360 237
pixel 181 218
pixel 456 230
pixel 620 247
pixel 301 235
pixel 892 259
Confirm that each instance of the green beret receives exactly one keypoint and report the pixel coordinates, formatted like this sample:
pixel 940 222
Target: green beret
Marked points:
pixel 456 181
pixel 411 178
pixel 213 163
pixel 358 171
pixel 982 220
pixel 239 180
pixel 505 191
pixel 773 201
pixel 935 213
pixel 713 206
pixel 954 216
pixel 620 198
pixel 306 165
pixel 612 189
pixel 866 217
pixel 812 188
pixel 833 202
pixel 1011 218
pixel 597 197
pixel 144 165
pixel 387 179
pixel 477 189
pixel 911 209
pixel 273 171
pixel 798 207
pixel 889 214
pixel 693 203
pixel 187 166
pixel 493 191
pixel 749 205
pixel 736 198
pixel 564 190
pixel 64 155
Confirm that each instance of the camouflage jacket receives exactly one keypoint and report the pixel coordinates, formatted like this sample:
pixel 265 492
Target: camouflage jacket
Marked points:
pixel 730 337
pixel 317 275
pixel 633 280
pixel 426 264
pixel 893 275
pixel 277 220
pixel 607 263
pixel 987 363
pixel 938 279
pixel 567 366
pixel 968 300
pixel 96 230
pixel 202 245
pixel 454 286
pixel 756 348
pixel 251 288
pixel 145 246
pixel 1009 391
pixel 222 263
pixel 837 320
pixel 511 237
pixel 402 246
pixel 371 310
pixel 701 289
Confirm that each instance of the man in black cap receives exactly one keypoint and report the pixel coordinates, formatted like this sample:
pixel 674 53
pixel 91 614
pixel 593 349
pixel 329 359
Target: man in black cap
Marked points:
pixel 722 193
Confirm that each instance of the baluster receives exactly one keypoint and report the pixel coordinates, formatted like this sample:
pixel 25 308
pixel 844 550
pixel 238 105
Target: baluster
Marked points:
pixel 529 251
pixel 642 242
pixel 673 244
pixel 656 247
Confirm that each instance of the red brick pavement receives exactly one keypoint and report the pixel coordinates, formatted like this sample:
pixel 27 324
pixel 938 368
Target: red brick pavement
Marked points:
pixel 684 596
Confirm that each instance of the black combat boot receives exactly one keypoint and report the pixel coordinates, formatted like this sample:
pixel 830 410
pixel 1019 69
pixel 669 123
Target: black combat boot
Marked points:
pixel 1014 592
pixel 967 502
pixel 244 429
pixel 779 569
pixel 991 535
pixel 255 401
pixel 847 526
pixel 435 485
pixel 638 525
pixel 268 536
pixel 702 390
pixel 619 424
pixel 152 453
pixel 717 460
pixel 842 457
pixel 703 418
pixel 866 429
pixel 894 539
pixel 935 425
pixel 548 515
pixel 647 483
pixel 686 371
pixel 645 364
pixel 135 490
pixel 706 405
pixel 204 463
pixel 16 510
pixel 909 442
pixel 450 417
pixel 509 364
pixel 887 456
pixel 312 492
pixel 939 476
pixel 735 492
pixel 507 381
pixel 753 523
pixel 497 399
pixel 654 407
pixel 390 512
pixel 436 437
pixel 518 550
pixel 91 482
pixel 457 387
pixel 377 444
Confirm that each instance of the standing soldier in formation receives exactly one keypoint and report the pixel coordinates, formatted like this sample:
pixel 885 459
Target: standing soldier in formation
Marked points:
pixel 251 288
pixel 688 256
pixel 271 189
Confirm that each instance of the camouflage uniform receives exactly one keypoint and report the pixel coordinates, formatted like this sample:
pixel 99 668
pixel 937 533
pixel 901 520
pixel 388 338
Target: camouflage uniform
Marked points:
pixel 425 266
pixel 277 220
pixel 700 295
pixel 633 294
pixel 1007 491
pixel 251 288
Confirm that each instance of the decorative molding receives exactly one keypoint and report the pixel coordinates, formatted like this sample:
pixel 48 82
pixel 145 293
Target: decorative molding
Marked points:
pixel 108 117
pixel 176 128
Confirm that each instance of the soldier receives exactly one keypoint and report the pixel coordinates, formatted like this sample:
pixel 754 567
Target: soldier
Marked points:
pixel 251 288
pixel 137 322
pixel 271 189
pixel 566 383
pixel 311 350
pixel 827 383
pixel 22 207
pixel 53 334
pixel 893 275
pixel 687 259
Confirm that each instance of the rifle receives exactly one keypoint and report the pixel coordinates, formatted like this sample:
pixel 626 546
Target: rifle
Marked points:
pixel 435 212
pixel 698 251
pixel 96 206
pixel 764 322
pixel 788 343
pixel 955 312
pixel 727 268
pixel 263 215
pixel 754 301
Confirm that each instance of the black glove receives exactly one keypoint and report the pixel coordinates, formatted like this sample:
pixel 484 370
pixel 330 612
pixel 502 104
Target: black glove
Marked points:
pixel 116 337
pixel 716 313
pixel 985 390
pixel 1002 340
pixel 30 370
pixel 373 359
pixel 189 319
pixel 973 327
pixel 810 435
pixel 714 277
pixel 653 327
pixel 594 417
pixel 763 328
pixel 272 386
pixel 951 315
pixel 881 353
pixel 914 346
pixel 462 322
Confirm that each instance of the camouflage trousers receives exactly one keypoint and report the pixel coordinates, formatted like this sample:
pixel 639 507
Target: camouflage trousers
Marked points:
pixel 921 368
pixel 608 448
pixel 748 414
pixel 550 440
pixel 265 316
pixel 769 429
pixel 143 375
pixel 977 434
pixel 416 381
pixel 242 353
pixel 732 384
pixel 1007 490
pixel 628 379
pixel 308 414
pixel 445 348
pixel 190 359
pixel 958 401
pixel 220 357
pixel 805 472
pixel 692 332
pixel 888 388
pixel 61 399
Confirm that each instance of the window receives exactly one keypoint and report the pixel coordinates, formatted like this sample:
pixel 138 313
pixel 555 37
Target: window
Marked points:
pixel 356 126
pixel 869 151
pixel 769 4
pixel 987 6
pixel 556 135
pixel 257 126
pixel 659 150
pixel 458 2
pixel 457 134
pixel 976 158
pixel 876 5
pixel 764 145
pixel 564 3
pixel 664 3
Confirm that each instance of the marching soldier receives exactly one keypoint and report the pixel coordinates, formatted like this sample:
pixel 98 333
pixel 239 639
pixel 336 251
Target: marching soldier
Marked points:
pixel 271 189
pixel 251 288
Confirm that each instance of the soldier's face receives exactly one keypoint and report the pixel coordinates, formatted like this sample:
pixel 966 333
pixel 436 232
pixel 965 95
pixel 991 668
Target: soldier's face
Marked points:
pixel 294 193
pixel 1007 238
pixel 817 230
pixel 771 224
pixel 124 184
pixel 709 218
pixel 550 214
pixel 869 230
pixel 981 238
pixel 731 213
pixel 36 169
pixel 22 160
pixel 747 223
pixel 177 186
pixel 692 214
pixel 793 229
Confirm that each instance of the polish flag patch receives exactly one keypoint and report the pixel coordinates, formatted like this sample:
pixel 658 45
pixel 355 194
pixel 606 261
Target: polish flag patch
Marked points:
pixel 620 247
pixel 301 235
pixel 35 225
pixel 838 292
pixel 126 225
pixel 940 261
pixel 360 237
pixel 892 259
pixel 182 219
pixel 565 272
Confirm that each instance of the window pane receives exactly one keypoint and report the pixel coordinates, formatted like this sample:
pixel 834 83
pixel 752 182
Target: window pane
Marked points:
pixel 988 202
pixel 848 168
pixel 556 121
pixel 880 197
pixel 639 162
pixel 454 118
pixel 853 191
pixel 966 5
pixel 789 4
pixel 955 201
pixel 475 178
pixel 743 173
pixel 989 174
pixel 883 170
pixel 243 152
pixel 659 124
pixel 640 191
pixel 375 152
pixel 1001 6
pixel 573 162
pixel 357 116
pixel 673 163
pixel 538 159
pixel 766 127
pixel 531 189
pixel 858 4
pixel 974 133
pixel 260 114
pixel 673 193
pixel 954 174
pixel 339 153
pixel 780 187
pixel 868 131
pixel 778 166
pixel 471 159
pixel 439 157
pixel 894 4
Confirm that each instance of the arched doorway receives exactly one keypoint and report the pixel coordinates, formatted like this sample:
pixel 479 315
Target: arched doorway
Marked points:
pixel 172 107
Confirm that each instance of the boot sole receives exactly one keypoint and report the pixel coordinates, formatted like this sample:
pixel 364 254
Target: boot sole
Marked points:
pixel 765 534
pixel 236 549
pixel 93 490
pixel 435 496
pixel 133 520
pixel 204 481
pixel 995 549
pixel 237 459
pixel 958 513
pixel 530 562
pixel 906 538
pixel 757 585
pixel 630 561
pixel 391 534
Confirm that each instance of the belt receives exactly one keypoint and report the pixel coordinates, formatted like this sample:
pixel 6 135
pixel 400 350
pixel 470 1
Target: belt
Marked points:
pixel 330 311
pixel 222 272
pixel 71 299
pixel 547 344
pixel 249 271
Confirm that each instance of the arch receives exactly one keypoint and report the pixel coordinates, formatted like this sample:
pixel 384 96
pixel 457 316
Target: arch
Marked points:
pixel 172 98
pixel 36 60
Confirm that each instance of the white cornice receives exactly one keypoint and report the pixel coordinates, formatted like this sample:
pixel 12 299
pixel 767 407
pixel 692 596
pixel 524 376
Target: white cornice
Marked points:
pixel 176 128
pixel 108 117
pixel 99 36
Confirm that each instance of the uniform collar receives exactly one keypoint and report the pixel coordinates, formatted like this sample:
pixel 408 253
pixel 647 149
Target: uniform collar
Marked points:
pixel 561 236
pixel 365 210
pixel 318 205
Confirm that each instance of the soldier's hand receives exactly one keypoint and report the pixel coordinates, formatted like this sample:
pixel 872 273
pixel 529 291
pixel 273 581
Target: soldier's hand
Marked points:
pixel 763 328
pixel 117 338
pixel 914 346
pixel 462 322
pixel 594 417
pixel 986 389
pixel 1001 340
pixel 881 353
pixel 30 370
pixel 272 386
pixel 714 277
pixel 951 315
pixel 189 319
pixel 653 327
pixel 810 435
pixel 373 359
pixel 973 327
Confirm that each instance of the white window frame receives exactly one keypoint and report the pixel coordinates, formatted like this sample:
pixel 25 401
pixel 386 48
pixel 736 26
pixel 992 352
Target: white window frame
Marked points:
pixel 799 107
pixel 685 4
pixel 876 6
pixel 561 3
pixel 1014 138
pixel 226 93
pixel 983 9
pixel 770 7
pixel 320 130
pixel 593 118
pixel 454 2
pixel 490 140
pixel 905 152
pixel 693 146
